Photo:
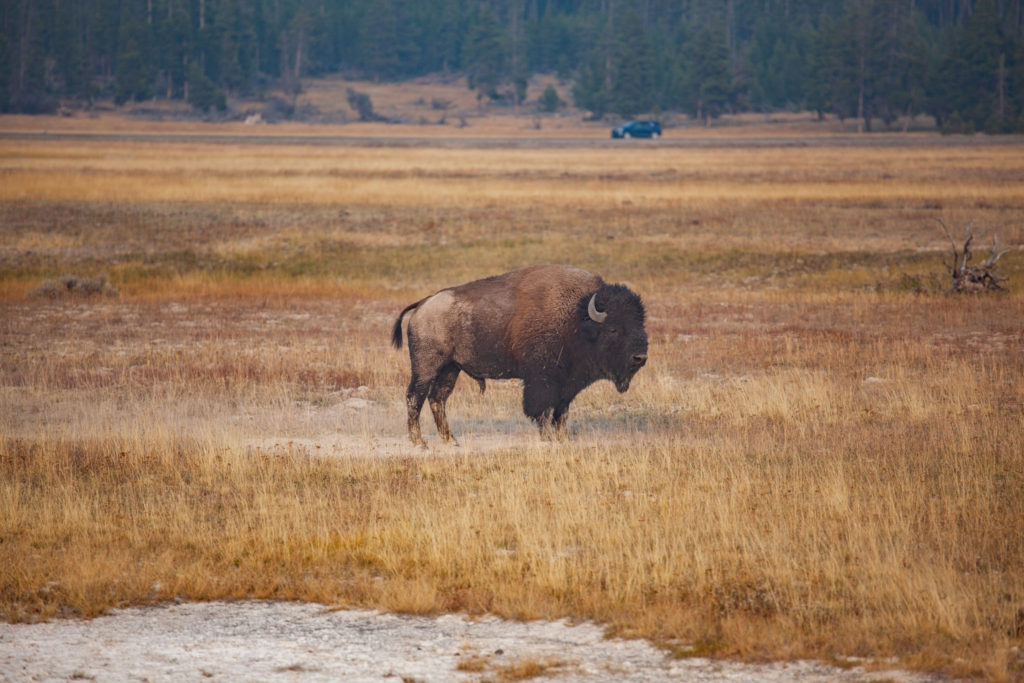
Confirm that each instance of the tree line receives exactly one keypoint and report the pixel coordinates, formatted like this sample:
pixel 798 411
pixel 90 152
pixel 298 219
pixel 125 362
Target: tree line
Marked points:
pixel 961 61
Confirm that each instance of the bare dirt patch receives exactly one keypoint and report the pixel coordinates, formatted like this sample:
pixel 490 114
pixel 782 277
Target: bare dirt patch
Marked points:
pixel 361 427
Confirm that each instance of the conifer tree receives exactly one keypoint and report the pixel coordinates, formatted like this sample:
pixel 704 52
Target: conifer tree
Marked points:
pixel 591 90
pixel 134 80
pixel 710 69
pixel 5 73
pixel 485 54
pixel 979 73
pixel 379 40
pixel 633 79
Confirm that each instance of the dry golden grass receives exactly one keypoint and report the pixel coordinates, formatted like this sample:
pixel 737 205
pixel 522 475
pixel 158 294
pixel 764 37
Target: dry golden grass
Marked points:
pixel 665 178
pixel 818 460
pixel 525 668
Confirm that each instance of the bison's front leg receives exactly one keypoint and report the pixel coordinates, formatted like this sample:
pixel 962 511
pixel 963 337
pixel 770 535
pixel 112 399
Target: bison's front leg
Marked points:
pixel 539 399
pixel 558 418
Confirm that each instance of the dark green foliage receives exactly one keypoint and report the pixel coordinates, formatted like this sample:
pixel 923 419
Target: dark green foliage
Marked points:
pixel 780 59
pixel 549 101
pixel 379 39
pixel 591 89
pixel 362 104
pixel 485 54
pixel 27 88
pixel 133 80
pixel 203 93
pixel 633 80
pixel 975 86
pixel 5 73
pixel 876 61
pixel 708 59
pixel 872 63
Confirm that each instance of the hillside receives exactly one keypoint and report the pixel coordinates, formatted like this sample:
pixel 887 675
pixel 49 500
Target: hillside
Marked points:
pixel 425 107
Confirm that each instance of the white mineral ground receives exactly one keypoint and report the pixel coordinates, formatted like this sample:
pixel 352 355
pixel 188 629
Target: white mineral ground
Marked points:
pixel 276 641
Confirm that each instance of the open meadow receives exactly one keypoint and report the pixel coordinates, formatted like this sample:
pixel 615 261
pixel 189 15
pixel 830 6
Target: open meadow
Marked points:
pixel 823 458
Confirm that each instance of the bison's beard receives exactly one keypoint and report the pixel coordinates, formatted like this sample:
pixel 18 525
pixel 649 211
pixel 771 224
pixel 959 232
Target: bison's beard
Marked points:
pixel 624 377
pixel 622 383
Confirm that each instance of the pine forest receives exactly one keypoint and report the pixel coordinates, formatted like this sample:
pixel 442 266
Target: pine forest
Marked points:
pixel 959 61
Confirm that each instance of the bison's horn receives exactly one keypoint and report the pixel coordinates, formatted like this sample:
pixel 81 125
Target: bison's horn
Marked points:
pixel 592 311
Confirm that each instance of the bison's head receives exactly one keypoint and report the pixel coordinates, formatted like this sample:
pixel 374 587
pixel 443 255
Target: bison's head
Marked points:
pixel 612 323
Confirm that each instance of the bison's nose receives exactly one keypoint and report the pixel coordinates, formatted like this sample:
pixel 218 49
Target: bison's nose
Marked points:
pixel 639 360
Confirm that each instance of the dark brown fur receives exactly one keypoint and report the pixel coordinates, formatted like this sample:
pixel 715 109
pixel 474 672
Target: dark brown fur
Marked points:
pixel 531 324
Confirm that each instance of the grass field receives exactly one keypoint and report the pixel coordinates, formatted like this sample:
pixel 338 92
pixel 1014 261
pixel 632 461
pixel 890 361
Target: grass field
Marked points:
pixel 823 458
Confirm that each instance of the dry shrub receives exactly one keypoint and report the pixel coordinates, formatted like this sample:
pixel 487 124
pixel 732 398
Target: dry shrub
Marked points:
pixel 520 669
pixel 528 667
pixel 76 286
pixel 474 662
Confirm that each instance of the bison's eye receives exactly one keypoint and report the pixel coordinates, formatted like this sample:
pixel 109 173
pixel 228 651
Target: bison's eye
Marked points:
pixel 613 329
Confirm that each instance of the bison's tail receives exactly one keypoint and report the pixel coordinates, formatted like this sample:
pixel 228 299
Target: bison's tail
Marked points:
pixel 396 331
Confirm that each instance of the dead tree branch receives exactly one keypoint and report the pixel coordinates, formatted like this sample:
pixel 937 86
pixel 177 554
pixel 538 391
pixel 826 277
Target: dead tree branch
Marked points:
pixel 973 278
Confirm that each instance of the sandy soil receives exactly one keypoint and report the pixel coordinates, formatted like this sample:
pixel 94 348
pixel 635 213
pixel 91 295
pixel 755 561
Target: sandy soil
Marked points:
pixel 270 641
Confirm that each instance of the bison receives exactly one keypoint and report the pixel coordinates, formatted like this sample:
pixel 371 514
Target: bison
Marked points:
pixel 557 328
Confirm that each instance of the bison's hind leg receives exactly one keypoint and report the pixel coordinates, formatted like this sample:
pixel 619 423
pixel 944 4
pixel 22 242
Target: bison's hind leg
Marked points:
pixel 414 397
pixel 441 389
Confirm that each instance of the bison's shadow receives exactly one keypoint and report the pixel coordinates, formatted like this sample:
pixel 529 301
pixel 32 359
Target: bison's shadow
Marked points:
pixel 586 427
